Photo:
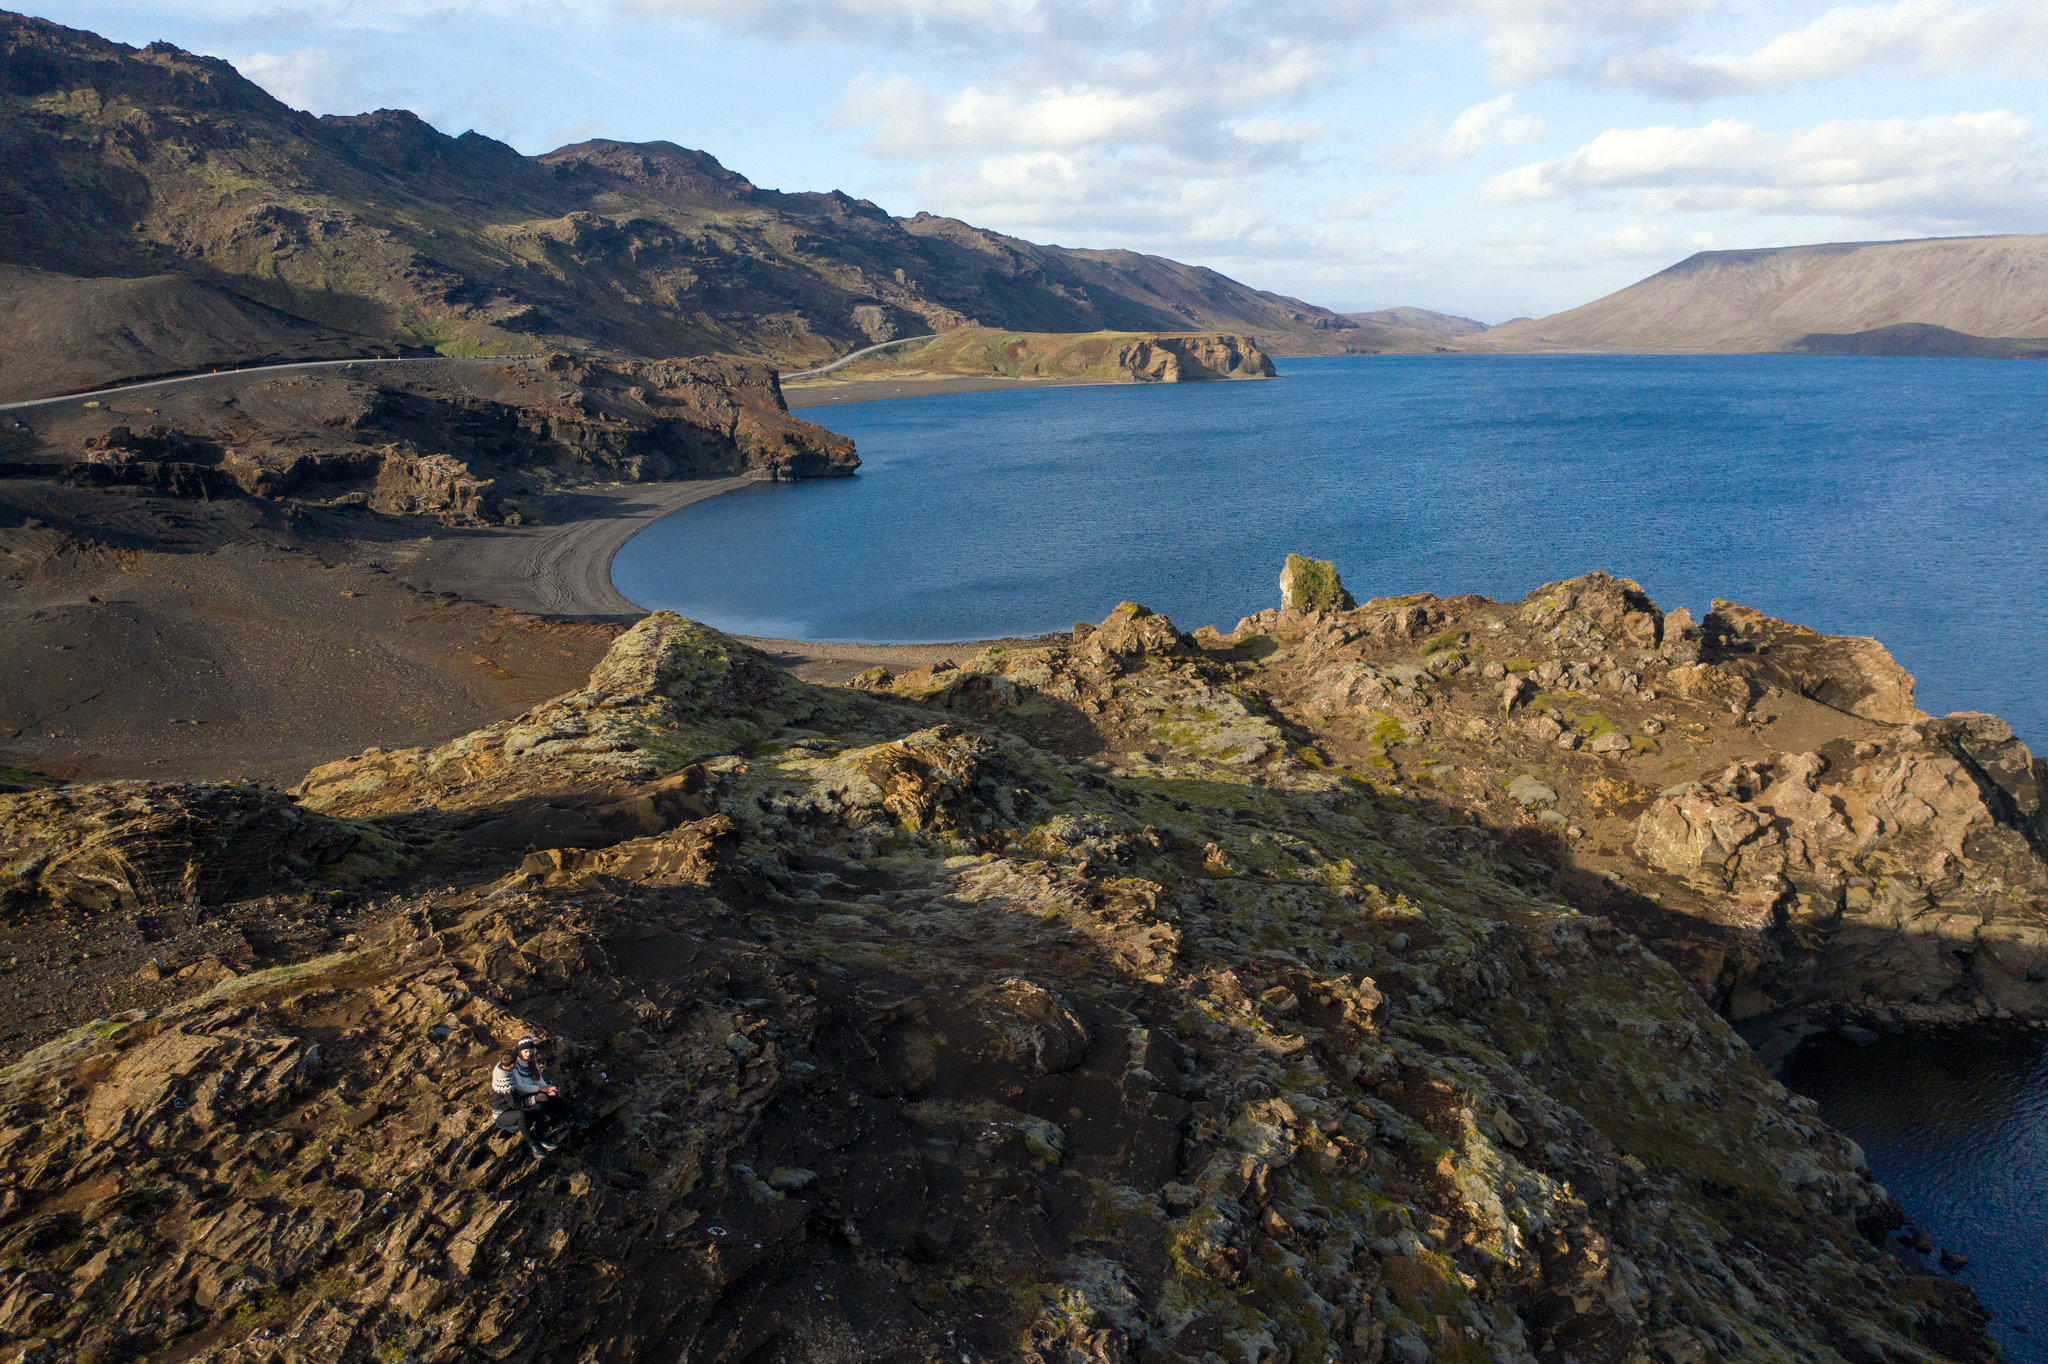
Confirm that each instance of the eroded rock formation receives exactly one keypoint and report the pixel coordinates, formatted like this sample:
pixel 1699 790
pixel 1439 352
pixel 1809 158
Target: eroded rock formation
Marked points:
pixel 459 442
pixel 1066 1004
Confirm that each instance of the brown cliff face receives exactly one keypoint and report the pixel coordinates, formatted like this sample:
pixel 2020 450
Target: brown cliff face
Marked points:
pixel 1181 359
pixel 458 441
pixel 1789 828
pixel 904 1034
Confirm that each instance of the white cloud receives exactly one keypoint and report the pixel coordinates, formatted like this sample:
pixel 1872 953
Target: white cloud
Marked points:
pixel 320 80
pixel 1528 41
pixel 1980 171
pixel 1486 126
pixel 1496 120
pixel 1363 204
pixel 1927 37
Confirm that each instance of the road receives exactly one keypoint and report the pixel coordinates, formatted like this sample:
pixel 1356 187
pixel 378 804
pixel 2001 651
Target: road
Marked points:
pixel 94 395
pixel 849 359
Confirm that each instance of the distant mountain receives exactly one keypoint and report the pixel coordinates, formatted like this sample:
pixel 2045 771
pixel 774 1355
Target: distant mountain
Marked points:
pixel 1395 331
pixel 1918 338
pixel 132 163
pixel 1419 319
pixel 1778 299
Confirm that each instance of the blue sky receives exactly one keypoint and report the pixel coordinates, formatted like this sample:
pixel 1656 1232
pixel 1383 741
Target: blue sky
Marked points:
pixel 1493 158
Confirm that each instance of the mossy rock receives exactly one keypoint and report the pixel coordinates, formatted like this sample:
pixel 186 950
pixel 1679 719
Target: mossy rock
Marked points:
pixel 24 779
pixel 1312 585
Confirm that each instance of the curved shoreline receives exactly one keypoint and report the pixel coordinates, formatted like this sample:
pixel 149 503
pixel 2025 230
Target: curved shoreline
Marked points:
pixel 562 568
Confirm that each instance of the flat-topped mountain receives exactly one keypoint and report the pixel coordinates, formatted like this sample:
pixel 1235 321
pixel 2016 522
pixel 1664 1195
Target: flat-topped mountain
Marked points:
pixel 1771 300
pixel 135 163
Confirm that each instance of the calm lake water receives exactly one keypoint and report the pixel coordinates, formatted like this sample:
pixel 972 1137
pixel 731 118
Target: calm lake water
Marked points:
pixel 1898 498
pixel 1956 1126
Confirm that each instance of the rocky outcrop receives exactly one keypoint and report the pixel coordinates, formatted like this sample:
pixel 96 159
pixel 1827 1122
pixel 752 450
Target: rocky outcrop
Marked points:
pixel 653 419
pixel 129 847
pixel 1848 672
pixel 1312 585
pixel 1791 829
pixel 909 1029
pixel 461 443
pixel 1183 359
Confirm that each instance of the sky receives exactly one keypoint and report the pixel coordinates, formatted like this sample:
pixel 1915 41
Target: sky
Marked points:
pixel 1490 158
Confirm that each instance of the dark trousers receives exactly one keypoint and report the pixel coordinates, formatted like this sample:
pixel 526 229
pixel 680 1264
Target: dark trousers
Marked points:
pixel 532 1123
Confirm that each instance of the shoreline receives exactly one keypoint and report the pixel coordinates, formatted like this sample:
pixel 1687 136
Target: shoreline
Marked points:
pixel 839 392
pixel 563 566
pixel 562 569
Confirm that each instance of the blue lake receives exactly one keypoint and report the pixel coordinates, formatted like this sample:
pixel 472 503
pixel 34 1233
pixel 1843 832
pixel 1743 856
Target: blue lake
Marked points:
pixel 1899 498
pixel 1956 1126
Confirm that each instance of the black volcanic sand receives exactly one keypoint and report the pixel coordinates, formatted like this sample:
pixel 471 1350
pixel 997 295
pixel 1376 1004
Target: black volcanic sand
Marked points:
pixel 240 649
pixel 179 639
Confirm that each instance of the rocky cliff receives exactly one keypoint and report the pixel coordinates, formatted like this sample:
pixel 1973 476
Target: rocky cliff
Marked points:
pixel 462 442
pixel 1092 357
pixel 377 225
pixel 1068 1004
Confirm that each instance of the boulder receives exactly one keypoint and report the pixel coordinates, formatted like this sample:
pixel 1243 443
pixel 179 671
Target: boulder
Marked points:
pixel 1312 585
pixel 1851 673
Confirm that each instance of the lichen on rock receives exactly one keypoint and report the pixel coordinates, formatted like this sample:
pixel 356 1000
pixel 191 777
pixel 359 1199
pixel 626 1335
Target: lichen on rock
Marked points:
pixel 1147 996
pixel 1312 585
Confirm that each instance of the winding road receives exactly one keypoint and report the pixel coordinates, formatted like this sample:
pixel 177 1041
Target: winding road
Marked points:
pixel 95 394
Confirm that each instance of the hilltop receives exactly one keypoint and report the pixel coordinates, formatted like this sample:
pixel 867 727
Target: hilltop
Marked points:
pixel 135 163
pixel 1939 296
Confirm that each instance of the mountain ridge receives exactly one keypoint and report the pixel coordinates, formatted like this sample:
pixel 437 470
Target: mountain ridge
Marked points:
pixel 1775 298
pixel 145 161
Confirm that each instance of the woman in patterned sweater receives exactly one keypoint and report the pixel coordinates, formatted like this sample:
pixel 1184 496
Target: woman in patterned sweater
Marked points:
pixel 523 1099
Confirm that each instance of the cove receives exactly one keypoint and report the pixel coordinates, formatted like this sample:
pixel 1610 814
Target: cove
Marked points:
pixel 1955 1125
pixel 1900 498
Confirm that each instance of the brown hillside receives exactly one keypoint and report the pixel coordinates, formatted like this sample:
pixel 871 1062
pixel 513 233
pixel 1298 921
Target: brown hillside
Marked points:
pixel 138 162
pixel 1419 319
pixel 65 334
pixel 1768 300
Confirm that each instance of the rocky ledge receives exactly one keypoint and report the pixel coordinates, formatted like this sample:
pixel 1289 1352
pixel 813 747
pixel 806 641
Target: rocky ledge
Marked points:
pixel 1157 996
pixel 465 442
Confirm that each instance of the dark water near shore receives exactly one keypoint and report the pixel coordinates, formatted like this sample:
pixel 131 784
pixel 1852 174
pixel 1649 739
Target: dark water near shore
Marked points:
pixel 1891 497
pixel 1956 1126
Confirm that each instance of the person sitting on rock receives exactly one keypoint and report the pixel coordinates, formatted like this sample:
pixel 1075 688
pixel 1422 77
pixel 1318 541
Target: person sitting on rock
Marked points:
pixel 523 1099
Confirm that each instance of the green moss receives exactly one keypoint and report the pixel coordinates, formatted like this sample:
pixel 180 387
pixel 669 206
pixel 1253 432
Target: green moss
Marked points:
pixel 1314 585
pixel 1519 665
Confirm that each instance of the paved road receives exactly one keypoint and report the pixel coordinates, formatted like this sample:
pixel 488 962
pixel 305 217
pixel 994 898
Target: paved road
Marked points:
pixel 93 395
pixel 849 359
